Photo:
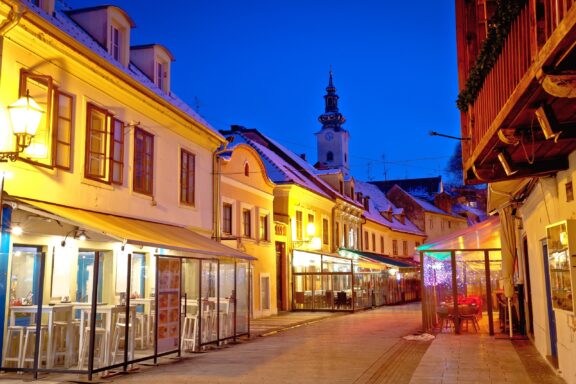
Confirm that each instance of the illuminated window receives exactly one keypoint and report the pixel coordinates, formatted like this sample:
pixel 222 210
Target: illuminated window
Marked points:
pixel 382 244
pixel 373 242
pixel 97 164
pixel 246 223
pixel 299 225
pixel 63 131
pixel 325 231
pixel 187 177
pixel 395 247
pixel 143 177
pixel 405 248
pixel 104 157
pixel 264 228
pixel 227 218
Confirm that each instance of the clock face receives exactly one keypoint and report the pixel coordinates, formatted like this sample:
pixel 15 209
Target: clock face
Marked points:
pixel 329 136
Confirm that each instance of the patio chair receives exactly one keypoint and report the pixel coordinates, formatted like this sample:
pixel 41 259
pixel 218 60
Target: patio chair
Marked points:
pixel 468 313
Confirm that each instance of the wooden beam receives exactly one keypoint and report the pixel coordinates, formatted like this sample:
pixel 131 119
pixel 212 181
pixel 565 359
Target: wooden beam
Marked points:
pixel 495 172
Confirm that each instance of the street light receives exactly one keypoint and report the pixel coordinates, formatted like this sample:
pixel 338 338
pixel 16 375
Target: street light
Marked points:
pixel 24 118
pixel 25 115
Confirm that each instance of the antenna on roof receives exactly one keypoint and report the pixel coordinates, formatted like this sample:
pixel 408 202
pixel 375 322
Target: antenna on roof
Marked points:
pixel 385 171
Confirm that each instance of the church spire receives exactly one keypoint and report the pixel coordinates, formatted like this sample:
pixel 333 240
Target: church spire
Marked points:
pixel 331 118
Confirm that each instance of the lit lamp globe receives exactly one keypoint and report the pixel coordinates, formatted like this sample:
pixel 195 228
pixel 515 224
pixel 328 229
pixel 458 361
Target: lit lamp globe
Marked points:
pixel 25 115
pixel 310 229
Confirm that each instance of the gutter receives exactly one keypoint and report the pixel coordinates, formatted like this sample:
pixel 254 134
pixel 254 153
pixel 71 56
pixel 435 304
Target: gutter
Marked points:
pixel 16 13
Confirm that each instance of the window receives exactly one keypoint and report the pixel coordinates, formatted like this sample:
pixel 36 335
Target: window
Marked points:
pixel 352 192
pixel 405 248
pixel 442 224
pixel 325 229
pixel 309 227
pixel 265 292
pixel 264 228
pixel 97 144
pixel 299 225
pixel 246 169
pixel 117 158
pixel 417 244
pixel 366 242
pixel 143 162
pixel 187 176
pixel 329 156
pixel 373 242
pixel 337 234
pixel 115 42
pixel 449 224
pixel 246 223
pixel 160 75
pixel 346 239
pixel 382 244
pixel 63 131
pixel 227 218
pixel 395 247
pixel 431 223
pixel 341 186
pixel 104 158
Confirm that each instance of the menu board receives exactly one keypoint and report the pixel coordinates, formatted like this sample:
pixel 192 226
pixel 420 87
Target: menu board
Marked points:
pixel 168 291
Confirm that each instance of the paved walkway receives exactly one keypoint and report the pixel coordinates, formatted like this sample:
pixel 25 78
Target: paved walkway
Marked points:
pixel 365 347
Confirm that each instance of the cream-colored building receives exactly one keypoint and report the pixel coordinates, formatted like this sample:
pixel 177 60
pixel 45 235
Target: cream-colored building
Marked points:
pixel 111 202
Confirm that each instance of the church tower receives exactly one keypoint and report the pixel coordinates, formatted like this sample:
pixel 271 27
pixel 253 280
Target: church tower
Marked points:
pixel 332 140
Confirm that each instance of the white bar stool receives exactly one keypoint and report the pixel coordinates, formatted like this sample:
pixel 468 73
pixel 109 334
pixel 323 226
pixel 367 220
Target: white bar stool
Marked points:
pixel 99 341
pixel 189 333
pixel 13 331
pixel 30 339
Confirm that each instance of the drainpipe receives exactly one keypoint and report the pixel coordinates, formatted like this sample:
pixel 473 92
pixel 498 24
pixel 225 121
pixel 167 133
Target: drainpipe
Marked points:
pixel 13 18
pixel 216 194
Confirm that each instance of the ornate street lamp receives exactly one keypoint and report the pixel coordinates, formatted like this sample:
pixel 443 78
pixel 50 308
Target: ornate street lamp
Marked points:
pixel 25 115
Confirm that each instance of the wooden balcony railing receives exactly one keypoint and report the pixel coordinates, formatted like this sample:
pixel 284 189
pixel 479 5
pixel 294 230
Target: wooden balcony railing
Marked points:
pixel 528 33
pixel 510 67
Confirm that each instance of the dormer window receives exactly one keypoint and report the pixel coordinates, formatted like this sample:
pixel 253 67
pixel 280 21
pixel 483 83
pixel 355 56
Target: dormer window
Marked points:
pixel 45 5
pixel 115 42
pixel 160 75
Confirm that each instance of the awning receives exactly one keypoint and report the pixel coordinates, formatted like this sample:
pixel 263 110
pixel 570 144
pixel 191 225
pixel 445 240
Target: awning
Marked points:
pixel 483 235
pixel 502 192
pixel 378 258
pixel 137 232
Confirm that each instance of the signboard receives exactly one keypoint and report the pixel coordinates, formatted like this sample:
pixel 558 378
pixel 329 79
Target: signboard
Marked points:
pixel 168 291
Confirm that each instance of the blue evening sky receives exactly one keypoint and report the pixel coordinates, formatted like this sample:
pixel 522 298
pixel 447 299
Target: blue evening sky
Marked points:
pixel 264 64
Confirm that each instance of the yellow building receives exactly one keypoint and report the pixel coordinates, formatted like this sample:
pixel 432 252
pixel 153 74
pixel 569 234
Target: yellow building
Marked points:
pixel 247 207
pixel 107 209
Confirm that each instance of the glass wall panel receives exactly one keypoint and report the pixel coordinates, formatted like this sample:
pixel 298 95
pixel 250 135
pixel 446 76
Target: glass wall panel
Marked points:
pixel 226 299
pixel 142 307
pixel 343 290
pixel 242 295
pixel 209 292
pixel 438 302
pixel 190 300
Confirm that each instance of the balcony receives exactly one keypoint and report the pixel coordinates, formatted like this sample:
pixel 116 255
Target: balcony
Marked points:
pixel 522 121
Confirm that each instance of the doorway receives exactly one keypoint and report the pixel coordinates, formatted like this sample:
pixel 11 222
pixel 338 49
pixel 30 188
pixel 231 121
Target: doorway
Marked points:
pixel 551 318
pixel 281 276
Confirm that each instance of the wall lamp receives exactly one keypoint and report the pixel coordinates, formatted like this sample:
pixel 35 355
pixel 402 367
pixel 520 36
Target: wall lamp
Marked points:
pixel 505 162
pixel 79 234
pixel 547 120
pixel 24 118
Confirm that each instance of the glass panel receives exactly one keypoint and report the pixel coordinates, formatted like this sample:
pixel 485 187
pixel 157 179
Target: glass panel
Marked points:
pixel 190 299
pixel 362 290
pixel 142 307
pixel 209 315
pixel 226 299
pixel 242 294
pixel 343 290
pixel 325 299
pixel 168 291
pixel 438 300
pixel 334 264
pixel 305 262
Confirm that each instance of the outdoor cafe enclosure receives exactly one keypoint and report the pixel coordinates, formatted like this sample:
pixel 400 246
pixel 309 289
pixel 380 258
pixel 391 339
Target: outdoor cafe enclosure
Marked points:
pixel 87 292
pixel 462 277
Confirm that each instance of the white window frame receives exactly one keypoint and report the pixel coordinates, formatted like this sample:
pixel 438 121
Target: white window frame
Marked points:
pixel 265 306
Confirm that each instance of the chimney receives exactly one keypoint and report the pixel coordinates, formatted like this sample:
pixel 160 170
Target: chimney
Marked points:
pixel 303 156
pixel 444 202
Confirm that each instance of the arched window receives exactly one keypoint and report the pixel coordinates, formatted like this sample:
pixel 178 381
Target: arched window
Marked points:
pixel 246 169
pixel 346 157
pixel 329 156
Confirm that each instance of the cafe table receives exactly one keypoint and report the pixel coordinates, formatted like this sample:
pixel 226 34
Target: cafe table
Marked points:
pixel 51 311
pixel 110 314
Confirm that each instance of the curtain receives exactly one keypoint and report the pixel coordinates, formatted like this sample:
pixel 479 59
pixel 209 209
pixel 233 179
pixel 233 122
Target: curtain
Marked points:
pixel 508 241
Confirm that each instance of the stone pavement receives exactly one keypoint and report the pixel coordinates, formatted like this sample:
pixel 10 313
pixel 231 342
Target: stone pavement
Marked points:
pixel 365 347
